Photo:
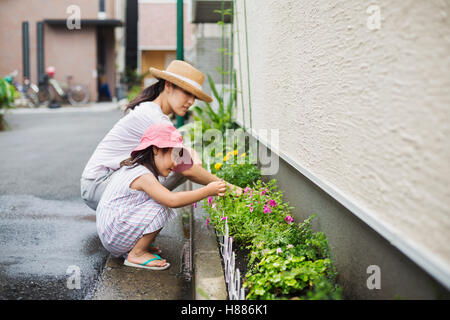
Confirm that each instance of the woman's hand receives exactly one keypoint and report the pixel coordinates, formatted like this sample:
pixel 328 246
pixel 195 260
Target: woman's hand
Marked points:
pixel 216 188
pixel 234 189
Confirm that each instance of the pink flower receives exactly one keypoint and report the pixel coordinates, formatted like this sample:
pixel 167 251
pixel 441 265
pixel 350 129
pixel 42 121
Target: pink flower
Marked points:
pixel 279 250
pixel 224 218
pixel 247 189
pixel 207 222
pixel 289 219
pixel 264 191
pixel 210 200
pixel 267 209
pixel 194 205
pixel 272 203
pixel 214 205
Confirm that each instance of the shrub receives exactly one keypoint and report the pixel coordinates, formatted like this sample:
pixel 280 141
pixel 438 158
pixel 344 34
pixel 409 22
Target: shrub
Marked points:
pixel 7 94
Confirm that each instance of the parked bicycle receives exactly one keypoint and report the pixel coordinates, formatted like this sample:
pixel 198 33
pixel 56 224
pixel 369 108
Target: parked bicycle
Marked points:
pixel 75 94
pixel 28 91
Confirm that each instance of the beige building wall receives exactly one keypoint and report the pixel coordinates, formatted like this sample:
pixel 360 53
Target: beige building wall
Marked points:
pixel 364 108
pixel 157 34
pixel 80 63
pixel 61 46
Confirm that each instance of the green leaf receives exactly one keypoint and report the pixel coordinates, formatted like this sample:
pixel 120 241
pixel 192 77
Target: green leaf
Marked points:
pixel 291 282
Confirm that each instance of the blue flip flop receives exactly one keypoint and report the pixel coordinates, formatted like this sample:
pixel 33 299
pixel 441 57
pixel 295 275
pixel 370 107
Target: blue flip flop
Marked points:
pixel 144 265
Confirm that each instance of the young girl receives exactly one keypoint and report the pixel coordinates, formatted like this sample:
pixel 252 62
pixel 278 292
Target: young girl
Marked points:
pixel 177 88
pixel 135 206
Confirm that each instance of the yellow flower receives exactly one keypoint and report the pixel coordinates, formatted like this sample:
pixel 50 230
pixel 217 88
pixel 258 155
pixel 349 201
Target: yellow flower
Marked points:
pixel 219 155
pixel 235 152
pixel 226 158
pixel 243 155
pixel 218 165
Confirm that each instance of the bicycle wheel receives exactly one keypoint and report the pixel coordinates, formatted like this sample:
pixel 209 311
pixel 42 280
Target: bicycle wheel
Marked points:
pixel 78 94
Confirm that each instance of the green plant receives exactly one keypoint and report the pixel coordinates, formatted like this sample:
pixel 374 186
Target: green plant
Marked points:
pixel 241 175
pixel 281 274
pixel 133 78
pixel 7 93
pixel 235 168
pixel 133 92
pixel 286 259
pixel 223 118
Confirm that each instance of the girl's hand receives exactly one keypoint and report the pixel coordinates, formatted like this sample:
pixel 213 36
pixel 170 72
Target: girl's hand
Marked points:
pixel 216 188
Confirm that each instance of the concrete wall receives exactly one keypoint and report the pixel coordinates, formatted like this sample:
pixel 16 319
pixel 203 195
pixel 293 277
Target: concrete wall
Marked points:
pixel 355 246
pixel 366 107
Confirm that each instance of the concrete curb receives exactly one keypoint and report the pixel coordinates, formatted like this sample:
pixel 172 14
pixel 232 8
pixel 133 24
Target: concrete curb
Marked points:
pixel 209 280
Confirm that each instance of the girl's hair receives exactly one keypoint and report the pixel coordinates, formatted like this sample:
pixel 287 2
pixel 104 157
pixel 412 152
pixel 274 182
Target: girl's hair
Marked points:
pixel 146 158
pixel 148 94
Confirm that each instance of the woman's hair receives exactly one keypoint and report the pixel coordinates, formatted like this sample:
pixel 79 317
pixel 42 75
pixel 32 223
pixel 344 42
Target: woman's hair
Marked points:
pixel 146 158
pixel 148 94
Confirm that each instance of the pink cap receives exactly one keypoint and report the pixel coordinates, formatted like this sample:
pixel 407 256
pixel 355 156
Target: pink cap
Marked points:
pixel 163 135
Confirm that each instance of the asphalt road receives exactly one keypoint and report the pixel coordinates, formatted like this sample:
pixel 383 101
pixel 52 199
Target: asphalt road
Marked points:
pixel 49 247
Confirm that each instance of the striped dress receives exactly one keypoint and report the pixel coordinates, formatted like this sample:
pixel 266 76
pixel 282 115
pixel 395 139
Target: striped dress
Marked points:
pixel 124 215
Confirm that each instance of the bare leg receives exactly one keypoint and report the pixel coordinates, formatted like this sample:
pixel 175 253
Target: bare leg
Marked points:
pixel 140 252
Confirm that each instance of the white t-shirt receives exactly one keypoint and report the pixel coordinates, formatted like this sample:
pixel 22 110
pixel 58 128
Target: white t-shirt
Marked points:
pixel 123 138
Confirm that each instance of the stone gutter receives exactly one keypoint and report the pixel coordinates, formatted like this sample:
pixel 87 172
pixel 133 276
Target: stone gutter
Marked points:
pixel 209 280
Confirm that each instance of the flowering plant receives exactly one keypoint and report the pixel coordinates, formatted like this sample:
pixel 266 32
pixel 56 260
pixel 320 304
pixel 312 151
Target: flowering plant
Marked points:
pixel 286 258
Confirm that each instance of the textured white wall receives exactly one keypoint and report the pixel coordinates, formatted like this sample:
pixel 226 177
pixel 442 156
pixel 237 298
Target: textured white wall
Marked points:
pixel 366 111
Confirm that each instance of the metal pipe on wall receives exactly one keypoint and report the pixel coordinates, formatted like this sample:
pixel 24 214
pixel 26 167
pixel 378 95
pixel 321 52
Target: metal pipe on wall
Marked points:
pixel 40 51
pixel 180 44
pixel 25 50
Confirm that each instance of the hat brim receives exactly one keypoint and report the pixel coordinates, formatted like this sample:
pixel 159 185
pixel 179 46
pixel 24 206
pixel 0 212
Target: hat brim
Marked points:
pixel 199 94
pixel 188 159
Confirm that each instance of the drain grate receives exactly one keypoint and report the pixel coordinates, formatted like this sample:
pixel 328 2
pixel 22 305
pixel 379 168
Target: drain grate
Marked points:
pixel 186 266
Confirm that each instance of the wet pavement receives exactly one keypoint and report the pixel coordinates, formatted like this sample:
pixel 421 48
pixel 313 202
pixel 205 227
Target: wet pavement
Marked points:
pixel 49 248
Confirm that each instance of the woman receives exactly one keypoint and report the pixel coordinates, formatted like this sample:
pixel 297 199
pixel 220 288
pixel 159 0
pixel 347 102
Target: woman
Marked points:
pixel 178 86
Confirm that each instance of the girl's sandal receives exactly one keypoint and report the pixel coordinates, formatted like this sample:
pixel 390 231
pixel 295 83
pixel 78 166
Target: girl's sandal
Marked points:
pixel 144 265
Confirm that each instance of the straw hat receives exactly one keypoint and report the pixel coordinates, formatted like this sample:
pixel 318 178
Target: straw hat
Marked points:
pixel 185 76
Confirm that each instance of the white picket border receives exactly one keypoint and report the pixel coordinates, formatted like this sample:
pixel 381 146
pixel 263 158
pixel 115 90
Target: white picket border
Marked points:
pixel 232 274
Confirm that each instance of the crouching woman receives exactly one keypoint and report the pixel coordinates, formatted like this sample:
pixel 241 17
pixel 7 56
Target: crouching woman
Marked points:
pixel 135 205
